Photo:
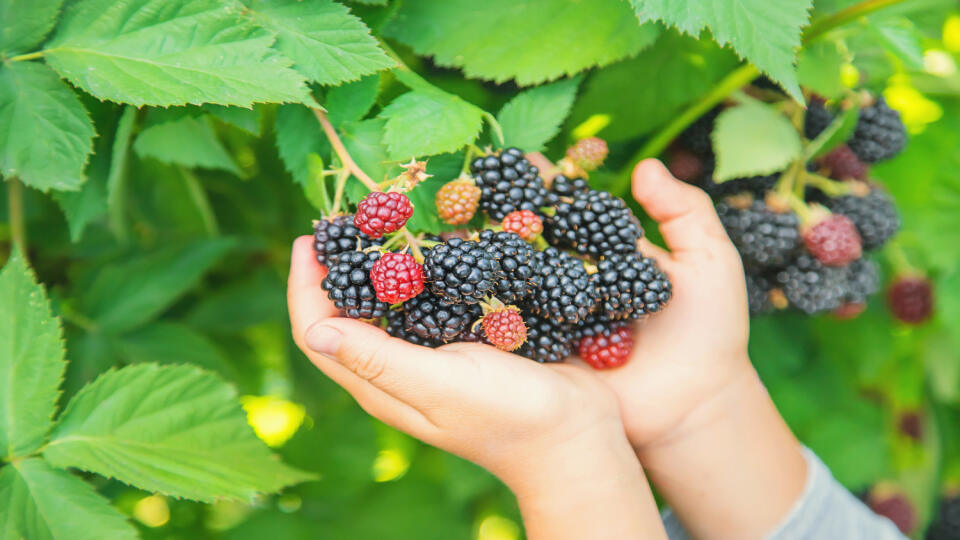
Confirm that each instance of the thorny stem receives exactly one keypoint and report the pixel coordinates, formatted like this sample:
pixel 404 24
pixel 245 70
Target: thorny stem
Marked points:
pixel 18 227
pixel 341 151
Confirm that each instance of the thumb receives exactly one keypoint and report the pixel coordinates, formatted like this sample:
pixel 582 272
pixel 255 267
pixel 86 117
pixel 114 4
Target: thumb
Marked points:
pixel 685 213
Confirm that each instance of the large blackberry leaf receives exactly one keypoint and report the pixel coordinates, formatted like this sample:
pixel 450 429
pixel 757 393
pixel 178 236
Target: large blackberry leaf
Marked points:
pixel 753 139
pixel 533 117
pixel 765 33
pixel 31 22
pixel 504 39
pixel 189 141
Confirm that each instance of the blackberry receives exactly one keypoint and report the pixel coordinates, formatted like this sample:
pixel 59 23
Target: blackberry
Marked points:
pixel 630 286
pixel 596 324
pixel 816 119
pixel 593 223
pixel 333 236
pixel 861 280
pixel 843 164
pixel 911 298
pixel 810 286
pixel 763 237
pixel 946 524
pixel 349 287
pixel 874 215
pixel 759 287
pixel 517 264
pixel 508 182
pixel 758 186
pixel 879 134
pixel 547 340
pixel 427 316
pixel 565 292
pixel 567 187
pixel 396 327
pixel 461 272
pixel 697 135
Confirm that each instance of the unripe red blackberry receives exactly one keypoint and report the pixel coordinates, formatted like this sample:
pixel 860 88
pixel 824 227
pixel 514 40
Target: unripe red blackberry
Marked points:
pixel 504 327
pixel 911 299
pixel 685 164
pixel 396 277
pixel 843 164
pixel 523 223
pixel 589 153
pixel 457 201
pixel 608 348
pixel 892 503
pixel 833 240
pixel 381 213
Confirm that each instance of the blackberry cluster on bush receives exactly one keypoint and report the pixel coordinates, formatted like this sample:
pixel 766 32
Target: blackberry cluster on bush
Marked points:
pixel 349 287
pixel 764 237
pixel 461 271
pixel 593 223
pixel 508 182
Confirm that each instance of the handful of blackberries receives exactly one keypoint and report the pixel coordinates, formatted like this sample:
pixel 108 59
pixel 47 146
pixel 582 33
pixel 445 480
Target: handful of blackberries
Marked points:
pixel 803 233
pixel 553 269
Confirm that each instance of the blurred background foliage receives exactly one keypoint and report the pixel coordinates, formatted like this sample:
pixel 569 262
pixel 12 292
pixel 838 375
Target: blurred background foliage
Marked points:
pixel 186 262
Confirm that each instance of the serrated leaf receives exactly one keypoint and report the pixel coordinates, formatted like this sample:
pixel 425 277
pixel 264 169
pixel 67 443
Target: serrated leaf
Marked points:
pixel 533 117
pixel 170 52
pixel 752 139
pixel 176 430
pixel 819 66
pixel 24 24
pixel 352 101
pixel 421 123
pixel 45 133
pixel 31 360
pixel 189 141
pixel 127 294
pixel 327 44
pixel 765 33
pixel 686 68
pixel 364 140
pixel 528 41
pixel 298 135
pixel 42 503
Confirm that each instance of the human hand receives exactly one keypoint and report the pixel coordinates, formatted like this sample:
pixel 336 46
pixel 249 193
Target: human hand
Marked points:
pixel 552 433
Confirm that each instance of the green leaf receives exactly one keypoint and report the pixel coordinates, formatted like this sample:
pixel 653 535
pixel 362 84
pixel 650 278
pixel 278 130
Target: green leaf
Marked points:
pixel 246 119
pixel 189 141
pixel 298 135
pixel 767 34
pixel 364 142
pixel 116 181
pixel 257 299
pixel 31 360
pixel 686 68
pixel 129 293
pixel 819 68
pixel 530 41
pixel 45 133
pixel 172 343
pixel 352 101
pixel 902 39
pixel 170 52
pixel 751 139
pixel 424 122
pixel 41 503
pixel 532 118
pixel 202 449
pixel 315 189
pixel 834 135
pixel 327 44
pixel 24 24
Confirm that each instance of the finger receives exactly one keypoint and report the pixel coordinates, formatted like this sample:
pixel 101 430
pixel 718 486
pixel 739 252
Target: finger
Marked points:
pixel 684 213
pixel 547 169
pixel 307 300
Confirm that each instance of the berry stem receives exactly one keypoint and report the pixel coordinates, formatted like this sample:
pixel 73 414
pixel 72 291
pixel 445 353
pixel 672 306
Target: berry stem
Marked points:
pixel 829 186
pixel 898 259
pixel 414 245
pixel 28 56
pixel 338 195
pixel 18 226
pixel 496 127
pixel 785 185
pixel 342 153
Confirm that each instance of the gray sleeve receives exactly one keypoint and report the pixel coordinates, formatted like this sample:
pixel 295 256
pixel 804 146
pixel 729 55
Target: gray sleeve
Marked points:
pixel 824 510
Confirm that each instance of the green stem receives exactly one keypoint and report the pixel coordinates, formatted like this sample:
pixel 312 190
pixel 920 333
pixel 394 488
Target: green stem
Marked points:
pixel 28 56
pixel 829 22
pixel 18 224
pixel 200 200
pixel 342 153
pixel 79 320
pixel 496 126
pixel 897 258
pixel 414 245
pixel 829 186
pixel 338 195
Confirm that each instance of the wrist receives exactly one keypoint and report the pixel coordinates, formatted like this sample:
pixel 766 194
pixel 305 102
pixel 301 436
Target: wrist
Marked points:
pixel 731 468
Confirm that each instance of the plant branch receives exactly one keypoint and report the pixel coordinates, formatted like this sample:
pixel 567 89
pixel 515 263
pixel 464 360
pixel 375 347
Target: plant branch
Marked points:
pixel 338 195
pixel 18 224
pixel 414 245
pixel 829 22
pixel 341 151
pixel 28 56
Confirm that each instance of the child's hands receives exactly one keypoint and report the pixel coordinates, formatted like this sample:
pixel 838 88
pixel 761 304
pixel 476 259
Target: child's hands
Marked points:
pixel 553 433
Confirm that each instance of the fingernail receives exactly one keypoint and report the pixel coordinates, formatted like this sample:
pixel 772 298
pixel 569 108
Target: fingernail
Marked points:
pixel 324 339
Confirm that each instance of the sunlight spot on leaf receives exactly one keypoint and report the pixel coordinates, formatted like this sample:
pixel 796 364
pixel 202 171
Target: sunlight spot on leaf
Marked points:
pixel 273 419
pixel 152 511
pixel 496 527
pixel 391 464
pixel 915 109
pixel 951 33
pixel 939 62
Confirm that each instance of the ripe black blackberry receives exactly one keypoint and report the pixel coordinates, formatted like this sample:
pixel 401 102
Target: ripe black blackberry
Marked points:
pixel 759 286
pixel 596 324
pixel 812 287
pixel 946 524
pixel 396 327
pixel 879 134
pixel 875 215
pixel 564 186
pixel 460 271
pixel 349 287
pixel 427 316
pixel 332 236
pixel 816 119
pixel 756 185
pixel 547 340
pixel 697 135
pixel 593 223
pixel 508 182
pixel 763 237
pixel 565 292
pixel 630 286
pixel 861 280
pixel 517 263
